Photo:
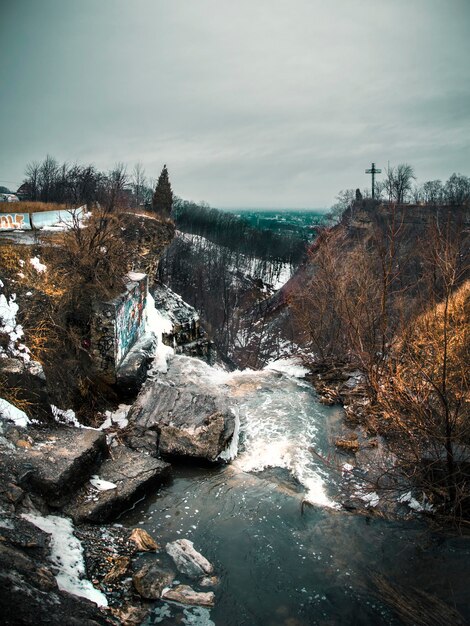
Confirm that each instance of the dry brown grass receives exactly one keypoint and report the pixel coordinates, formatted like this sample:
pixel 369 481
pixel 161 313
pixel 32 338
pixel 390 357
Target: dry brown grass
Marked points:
pixel 28 206
pixel 351 445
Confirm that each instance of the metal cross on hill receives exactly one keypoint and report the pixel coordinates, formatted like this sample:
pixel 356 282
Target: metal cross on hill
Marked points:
pixel 373 170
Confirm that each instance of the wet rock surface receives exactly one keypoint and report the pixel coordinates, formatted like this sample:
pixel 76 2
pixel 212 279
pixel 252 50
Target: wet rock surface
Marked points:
pixel 186 595
pixel 132 372
pixel 52 462
pixel 187 559
pixel 184 416
pixel 151 580
pixel 131 473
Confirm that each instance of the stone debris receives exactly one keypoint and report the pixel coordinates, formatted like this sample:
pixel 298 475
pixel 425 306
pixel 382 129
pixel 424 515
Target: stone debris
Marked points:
pixel 188 560
pixel 209 581
pixel 143 541
pixel 120 567
pixel 186 595
pixel 151 579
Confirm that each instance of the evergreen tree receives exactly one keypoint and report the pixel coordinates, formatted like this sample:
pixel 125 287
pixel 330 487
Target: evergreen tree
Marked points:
pixel 162 200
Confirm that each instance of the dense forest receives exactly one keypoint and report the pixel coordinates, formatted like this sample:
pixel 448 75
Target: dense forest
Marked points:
pixel 236 233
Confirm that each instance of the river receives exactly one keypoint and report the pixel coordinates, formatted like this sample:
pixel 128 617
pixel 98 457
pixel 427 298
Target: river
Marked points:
pixel 286 553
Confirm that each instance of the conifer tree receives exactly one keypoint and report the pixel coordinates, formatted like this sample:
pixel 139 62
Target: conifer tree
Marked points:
pixel 162 200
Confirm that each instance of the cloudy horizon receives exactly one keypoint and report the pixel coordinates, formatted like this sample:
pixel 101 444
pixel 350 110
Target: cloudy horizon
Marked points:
pixel 262 105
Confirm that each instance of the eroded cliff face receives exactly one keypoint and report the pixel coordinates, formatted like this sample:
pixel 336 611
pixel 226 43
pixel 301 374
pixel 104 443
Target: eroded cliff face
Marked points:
pixel 376 264
pixel 149 235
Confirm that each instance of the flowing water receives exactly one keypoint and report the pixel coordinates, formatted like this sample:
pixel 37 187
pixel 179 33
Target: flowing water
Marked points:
pixel 285 552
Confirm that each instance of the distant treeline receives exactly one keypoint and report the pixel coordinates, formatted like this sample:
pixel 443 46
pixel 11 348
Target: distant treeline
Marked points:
pixel 235 233
pixel 75 184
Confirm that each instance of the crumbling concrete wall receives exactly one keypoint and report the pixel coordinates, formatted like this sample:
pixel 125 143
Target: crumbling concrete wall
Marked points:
pixel 117 325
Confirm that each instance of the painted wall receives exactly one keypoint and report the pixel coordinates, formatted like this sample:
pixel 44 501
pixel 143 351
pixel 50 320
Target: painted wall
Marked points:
pixel 15 221
pixel 130 320
pixel 42 219
pixel 118 325
pixel 45 219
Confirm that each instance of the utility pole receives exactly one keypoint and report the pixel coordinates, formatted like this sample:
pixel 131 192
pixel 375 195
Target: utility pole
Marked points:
pixel 373 170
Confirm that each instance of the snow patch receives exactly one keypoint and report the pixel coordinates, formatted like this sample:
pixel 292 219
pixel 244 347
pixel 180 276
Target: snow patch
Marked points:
pixel 38 266
pixel 100 484
pixel 158 324
pixel 419 507
pixel 371 499
pixel 67 417
pixel 8 310
pixel 10 412
pixel 67 556
pixel 291 366
pixel 116 418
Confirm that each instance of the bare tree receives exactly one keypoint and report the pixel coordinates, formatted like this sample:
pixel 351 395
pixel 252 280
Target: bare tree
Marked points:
pixel 32 179
pixel 398 182
pixel 48 173
pixel 457 190
pixel 432 191
pixel 112 195
pixel 139 183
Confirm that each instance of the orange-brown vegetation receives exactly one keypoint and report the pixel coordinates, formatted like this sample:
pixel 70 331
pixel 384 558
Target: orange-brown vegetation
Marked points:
pixel 391 297
pixel 28 206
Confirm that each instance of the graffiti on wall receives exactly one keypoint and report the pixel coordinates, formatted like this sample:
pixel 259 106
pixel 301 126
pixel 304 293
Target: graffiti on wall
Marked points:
pixel 117 325
pixel 105 347
pixel 130 319
pixel 14 221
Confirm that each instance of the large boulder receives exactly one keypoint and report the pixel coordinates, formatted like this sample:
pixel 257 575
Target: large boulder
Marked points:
pixel 182 413
pixel 52 462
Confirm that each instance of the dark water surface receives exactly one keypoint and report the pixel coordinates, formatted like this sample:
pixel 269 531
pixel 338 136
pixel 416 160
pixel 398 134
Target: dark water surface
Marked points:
pixel 280 564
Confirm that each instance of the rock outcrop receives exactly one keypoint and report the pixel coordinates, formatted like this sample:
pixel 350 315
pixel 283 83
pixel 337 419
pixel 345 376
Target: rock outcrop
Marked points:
pixel 122 477
pixel 181 415
pixel 187 335
pixel 52 462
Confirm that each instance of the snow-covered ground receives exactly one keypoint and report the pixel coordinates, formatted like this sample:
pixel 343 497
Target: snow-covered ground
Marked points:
pixel 273 274
pixel 67 557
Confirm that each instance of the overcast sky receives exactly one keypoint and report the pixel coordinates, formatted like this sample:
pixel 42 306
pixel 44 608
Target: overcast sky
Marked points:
pixel 257 103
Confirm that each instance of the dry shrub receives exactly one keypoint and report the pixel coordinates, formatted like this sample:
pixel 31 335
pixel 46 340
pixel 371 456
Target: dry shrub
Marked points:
pixel 28 206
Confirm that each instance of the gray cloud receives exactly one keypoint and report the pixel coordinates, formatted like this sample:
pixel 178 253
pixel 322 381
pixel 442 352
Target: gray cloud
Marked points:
pixel 273 103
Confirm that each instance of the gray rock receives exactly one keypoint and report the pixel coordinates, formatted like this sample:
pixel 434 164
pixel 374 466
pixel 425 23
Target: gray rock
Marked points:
pixel 151 579
pixel 190 415
pixel 132 473
pixel 184 318
pixel 55 461
pixel 186 595
pixel 188 560
pixel 209 581
pixel 132 372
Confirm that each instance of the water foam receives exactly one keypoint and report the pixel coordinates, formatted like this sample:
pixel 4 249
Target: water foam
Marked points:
pixel 277 420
